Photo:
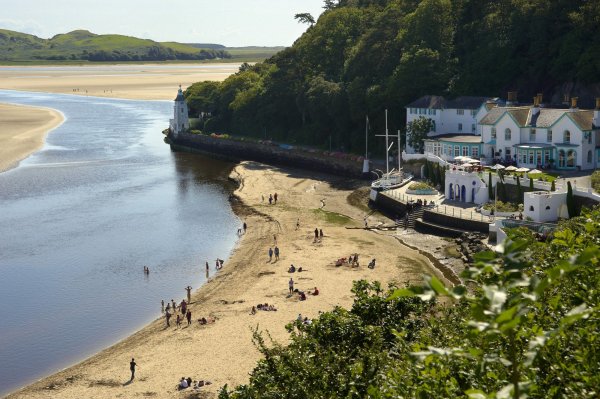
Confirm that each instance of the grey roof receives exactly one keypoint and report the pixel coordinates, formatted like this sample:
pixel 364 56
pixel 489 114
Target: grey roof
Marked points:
pixel 439 102
pixel 547 117
pixel 466 102
pixel 180 95
pixel 583 119
pixel 460 138
pixel 519 114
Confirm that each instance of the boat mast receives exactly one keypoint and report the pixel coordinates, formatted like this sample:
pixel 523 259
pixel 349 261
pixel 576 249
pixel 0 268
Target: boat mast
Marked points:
pixel 399 153
pixel 367 138
pixel 387 148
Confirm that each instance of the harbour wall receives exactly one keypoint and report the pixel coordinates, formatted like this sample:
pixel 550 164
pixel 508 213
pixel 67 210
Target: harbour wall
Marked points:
pixel 233 150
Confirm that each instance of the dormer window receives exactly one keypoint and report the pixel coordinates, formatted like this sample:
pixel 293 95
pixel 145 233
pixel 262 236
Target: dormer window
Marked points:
pixel 507 135
pixel 566 136
pixel 532 135
pixel 460 112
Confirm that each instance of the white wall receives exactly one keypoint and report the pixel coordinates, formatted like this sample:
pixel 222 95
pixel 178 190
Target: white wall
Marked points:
pixel 471 181
pixel 542 206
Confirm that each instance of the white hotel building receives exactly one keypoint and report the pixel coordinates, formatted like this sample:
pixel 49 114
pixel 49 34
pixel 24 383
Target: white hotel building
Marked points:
pixel 531 136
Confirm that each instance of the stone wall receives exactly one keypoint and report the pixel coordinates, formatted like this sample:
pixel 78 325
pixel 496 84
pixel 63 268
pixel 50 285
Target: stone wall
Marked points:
pixel 235 151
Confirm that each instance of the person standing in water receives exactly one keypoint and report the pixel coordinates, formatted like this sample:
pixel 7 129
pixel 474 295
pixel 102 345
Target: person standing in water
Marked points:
pixel 207 270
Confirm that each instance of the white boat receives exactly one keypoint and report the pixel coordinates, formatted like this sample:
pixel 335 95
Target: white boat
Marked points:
pixel 391 178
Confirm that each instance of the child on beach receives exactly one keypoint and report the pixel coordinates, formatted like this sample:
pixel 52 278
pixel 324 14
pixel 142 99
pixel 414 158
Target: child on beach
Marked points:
pixel 270 254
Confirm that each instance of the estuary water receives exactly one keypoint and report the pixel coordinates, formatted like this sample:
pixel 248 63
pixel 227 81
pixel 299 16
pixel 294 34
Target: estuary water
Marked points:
pixel 81 218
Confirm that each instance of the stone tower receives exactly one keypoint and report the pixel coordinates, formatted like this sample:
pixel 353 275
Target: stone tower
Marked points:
pixel 180 122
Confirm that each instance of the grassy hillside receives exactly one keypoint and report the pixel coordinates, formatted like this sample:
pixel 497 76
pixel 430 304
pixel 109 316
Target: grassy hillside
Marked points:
pixel 81 45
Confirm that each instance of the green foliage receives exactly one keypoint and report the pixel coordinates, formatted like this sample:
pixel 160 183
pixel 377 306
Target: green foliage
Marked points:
pixel 527 326
pixel 500 206
pixel 416 132
pixel 84 45
pixel 596 181
pixel 420 186
pixel 553 187
pixel 570 201
pixel 365 56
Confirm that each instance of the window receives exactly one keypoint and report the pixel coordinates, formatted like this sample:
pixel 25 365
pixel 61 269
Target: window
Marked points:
pixel 571 157
pixel 531 208
pixel 456 150
pixel 547 156
pixel 567 136
pixel 475 152
pixel 588 135
pixel 507 153
pixel 561 158
pixel 465 151
pixel 538 158
pixel 549 136
pixel 532 135
pixel 507 135
pixel 473 112
pixel 523 156
pixel 493 133
pixel 460 127
pixel 460 112
pixel 531 157
pixel 473 128
pixel 589 156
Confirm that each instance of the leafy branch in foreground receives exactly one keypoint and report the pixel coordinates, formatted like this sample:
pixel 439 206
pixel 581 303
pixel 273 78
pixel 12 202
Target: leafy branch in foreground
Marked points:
pixel 528 326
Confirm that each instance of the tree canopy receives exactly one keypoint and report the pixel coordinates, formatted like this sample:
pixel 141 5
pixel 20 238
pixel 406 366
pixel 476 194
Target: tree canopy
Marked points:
pixel 364 56
pixel 526 326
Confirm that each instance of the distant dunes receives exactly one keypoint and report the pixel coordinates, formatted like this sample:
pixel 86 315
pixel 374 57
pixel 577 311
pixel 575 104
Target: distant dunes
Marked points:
pixel 82 45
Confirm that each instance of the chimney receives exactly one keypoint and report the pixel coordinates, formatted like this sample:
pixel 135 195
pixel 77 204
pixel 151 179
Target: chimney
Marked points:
pixel 535 111
pixel 566 99
pixel 596 119
pixel 574 103
pixel 512 98
pixel 540 97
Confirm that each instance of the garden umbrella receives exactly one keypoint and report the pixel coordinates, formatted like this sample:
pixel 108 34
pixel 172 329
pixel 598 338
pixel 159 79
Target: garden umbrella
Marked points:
pixel 511 168
pixel 498 167
pixel 522 170
pixel 535 171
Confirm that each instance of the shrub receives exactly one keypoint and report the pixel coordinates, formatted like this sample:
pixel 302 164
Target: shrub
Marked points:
pixel 596 181
pixel 420 186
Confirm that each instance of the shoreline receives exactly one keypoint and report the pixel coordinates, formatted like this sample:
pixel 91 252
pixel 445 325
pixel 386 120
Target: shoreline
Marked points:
pixel 23 131
pixel 223 352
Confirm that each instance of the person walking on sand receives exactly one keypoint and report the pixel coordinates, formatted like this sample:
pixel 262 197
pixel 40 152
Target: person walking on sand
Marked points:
pixel 298 224
pixel 275 198
pixel 321 233
pixel 132 365
pixel 168 317
pixel 291 285
pixel 245 227
pixel 270 199
pixel 270 254
pixel 316 234
pixel 276 253
pixel 207 270
pixel 188 316
pixel 178 321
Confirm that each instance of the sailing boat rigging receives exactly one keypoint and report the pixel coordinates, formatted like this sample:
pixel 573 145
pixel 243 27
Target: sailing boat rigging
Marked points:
pixel 391 178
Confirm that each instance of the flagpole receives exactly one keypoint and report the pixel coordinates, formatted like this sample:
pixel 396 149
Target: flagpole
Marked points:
pixel 387 158
pixel 367 138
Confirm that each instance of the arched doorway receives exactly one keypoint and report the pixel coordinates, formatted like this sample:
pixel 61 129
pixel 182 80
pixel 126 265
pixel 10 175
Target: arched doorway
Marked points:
pixel 473 194
pixel 451 191
pixel 463 194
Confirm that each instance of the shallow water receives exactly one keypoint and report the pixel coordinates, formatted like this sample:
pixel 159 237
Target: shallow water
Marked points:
pixel 79 220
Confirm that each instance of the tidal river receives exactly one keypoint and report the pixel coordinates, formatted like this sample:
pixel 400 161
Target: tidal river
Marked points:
pixel 81 218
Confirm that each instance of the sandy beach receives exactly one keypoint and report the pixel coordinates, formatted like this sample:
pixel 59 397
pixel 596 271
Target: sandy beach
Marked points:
pixel 222 352
pixel 132 81
pixel 23 130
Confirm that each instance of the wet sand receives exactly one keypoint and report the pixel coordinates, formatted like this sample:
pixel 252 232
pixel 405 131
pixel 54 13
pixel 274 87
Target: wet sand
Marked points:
pixel 132 81
pixel 23 130
pixel 222 352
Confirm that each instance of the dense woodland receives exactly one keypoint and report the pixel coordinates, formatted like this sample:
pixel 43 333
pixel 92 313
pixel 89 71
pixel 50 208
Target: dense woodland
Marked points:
pixel 527 326
pixel 363 56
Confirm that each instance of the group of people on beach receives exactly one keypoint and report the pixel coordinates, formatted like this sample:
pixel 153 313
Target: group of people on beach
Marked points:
pixel 273 252
pixel 318 235
pixel 186 383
